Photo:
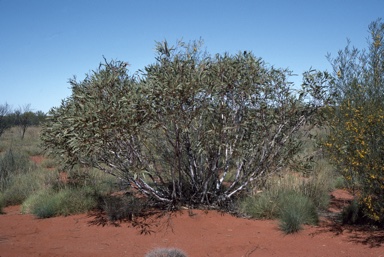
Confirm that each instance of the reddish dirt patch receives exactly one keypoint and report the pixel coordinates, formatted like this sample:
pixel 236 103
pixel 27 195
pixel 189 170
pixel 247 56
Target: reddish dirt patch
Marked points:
pixel 37 159
pixel 198 233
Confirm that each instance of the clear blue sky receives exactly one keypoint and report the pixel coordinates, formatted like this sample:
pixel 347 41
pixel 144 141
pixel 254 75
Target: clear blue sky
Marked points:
pixel 43 43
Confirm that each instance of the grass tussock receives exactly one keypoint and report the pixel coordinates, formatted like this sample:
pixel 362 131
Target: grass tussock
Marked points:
pixel 166 252
pixel 292 198
pixel 50 203
pixel 80 193
pixel 296 210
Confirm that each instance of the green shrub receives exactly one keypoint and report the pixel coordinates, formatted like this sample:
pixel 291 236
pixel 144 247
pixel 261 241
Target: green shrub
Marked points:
pixel 284 201
pixel 316 187
pixel 67 201
pixel 184 126
pixel 317 193
pixel 351 213
pixel 21 186
pixel 50 196
pixel 318 183
pixel 166 252
pixel 45 204
pixel 76 200
pixel 260 206
pixel 356 120
pixel 296 210
pixel 29 203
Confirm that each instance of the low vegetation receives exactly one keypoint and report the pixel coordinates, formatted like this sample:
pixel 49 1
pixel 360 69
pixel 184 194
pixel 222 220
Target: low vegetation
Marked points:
pixel 49 203
pixel 293 198
pixel 39 187
pixel 296 209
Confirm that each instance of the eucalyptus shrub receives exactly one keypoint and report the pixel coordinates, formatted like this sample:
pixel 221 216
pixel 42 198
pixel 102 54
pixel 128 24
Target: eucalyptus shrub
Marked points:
pixel 192 129
pixel 356 138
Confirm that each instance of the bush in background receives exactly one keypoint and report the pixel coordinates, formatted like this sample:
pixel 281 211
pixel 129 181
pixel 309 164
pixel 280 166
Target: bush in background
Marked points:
pixel 21 186
pixel 40 188
pixel 12 163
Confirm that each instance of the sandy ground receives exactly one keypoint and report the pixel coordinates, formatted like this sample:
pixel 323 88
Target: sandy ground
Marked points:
pixel 196 232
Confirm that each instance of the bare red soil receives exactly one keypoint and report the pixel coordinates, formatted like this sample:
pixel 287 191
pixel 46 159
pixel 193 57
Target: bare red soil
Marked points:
pixel 37 159
pixel 196 232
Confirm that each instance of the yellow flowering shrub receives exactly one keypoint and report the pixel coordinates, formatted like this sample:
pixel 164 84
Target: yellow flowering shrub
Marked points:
pixel 356 139
pixel 356 146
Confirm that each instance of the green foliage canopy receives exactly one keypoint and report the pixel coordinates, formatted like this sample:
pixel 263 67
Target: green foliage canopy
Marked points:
pixel 193 129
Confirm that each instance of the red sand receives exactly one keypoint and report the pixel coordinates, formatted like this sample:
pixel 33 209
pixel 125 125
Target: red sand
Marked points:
pixel 197 233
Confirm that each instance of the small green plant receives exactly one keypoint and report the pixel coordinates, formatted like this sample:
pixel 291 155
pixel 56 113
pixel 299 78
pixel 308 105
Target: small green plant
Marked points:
pixel 26 207
pixel 44 205
pixel 296 210
pixel 166 252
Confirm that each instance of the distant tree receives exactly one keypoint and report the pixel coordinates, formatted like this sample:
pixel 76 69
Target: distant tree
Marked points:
pixel 193 130
pixel 24 118
pixel 39 118
pixel 5 110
